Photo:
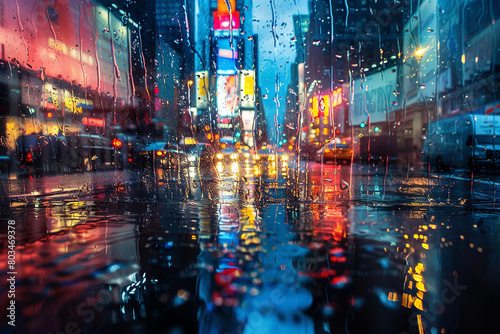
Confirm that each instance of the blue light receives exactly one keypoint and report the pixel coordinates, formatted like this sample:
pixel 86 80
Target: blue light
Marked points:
pixel 362 125
pixel 377 129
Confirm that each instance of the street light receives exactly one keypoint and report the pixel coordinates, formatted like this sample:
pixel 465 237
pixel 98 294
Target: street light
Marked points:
pixel 420 52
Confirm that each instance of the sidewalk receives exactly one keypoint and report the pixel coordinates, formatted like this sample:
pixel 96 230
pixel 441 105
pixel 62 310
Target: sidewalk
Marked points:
pixel 14 189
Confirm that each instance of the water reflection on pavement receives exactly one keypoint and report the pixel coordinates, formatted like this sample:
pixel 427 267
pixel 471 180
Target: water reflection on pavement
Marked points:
pixel 337 259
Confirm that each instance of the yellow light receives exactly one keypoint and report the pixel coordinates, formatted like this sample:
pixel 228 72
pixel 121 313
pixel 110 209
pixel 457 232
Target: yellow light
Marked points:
pixel 463 59
pixel 420 52
pixel 219 156
pixel 190 83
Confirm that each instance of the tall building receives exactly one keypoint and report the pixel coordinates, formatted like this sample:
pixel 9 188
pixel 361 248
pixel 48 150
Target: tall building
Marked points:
pixel 348 40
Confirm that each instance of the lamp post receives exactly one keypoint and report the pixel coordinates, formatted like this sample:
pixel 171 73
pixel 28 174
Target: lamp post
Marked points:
pixel 189 84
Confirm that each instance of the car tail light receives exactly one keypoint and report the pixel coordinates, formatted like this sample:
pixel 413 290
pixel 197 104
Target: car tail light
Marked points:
pixel 29 156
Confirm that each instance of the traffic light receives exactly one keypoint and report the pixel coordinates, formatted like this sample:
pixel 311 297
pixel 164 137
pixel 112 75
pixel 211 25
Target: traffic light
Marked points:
pixel 363 124
pixel 377 129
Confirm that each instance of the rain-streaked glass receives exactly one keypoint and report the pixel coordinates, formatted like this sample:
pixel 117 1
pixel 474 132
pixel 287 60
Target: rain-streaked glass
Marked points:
pixel 246 166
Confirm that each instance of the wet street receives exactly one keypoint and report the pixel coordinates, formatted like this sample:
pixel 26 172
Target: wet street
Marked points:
pixel 285 247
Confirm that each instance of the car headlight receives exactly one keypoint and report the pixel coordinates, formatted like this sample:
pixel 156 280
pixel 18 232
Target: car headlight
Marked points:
pixel 192 158
pixel 219 156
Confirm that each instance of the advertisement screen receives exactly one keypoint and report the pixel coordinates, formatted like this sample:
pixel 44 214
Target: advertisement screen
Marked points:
pixel 247 89
pixel 227 57
pixel 201 89
pixel 47 37
pixel 227 95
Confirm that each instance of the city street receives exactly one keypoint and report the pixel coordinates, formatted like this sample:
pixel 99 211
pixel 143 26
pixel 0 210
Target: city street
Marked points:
pixel 314 249
pixel 249 167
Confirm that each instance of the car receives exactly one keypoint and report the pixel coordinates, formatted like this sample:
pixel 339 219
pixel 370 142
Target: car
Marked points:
pixel 337 150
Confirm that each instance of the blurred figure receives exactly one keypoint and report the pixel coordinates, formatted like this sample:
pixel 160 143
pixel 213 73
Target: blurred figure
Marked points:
pixel 36 152
pixel 46 156
pixel 62 152
pixel 22 150
pixel 73 152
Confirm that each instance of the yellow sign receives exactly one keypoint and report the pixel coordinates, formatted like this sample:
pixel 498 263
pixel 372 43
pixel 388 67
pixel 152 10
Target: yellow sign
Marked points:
pixel 320 106
pixel 247 89
pixel 201 90
pixel 75 104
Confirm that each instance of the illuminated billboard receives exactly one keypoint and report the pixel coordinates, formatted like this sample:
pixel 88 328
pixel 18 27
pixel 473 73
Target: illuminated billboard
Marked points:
pixel 221 21
pixel 48 37
pixel 227 57
pixel 227 95
pixel 320 106
pixel 375 96
pixel 247 119
pixel 247 89
pixel 201 83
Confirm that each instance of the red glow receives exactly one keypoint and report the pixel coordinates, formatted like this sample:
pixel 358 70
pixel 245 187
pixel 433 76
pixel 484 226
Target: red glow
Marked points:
pixel 221 20
pixel 117 143
pixel 92 121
